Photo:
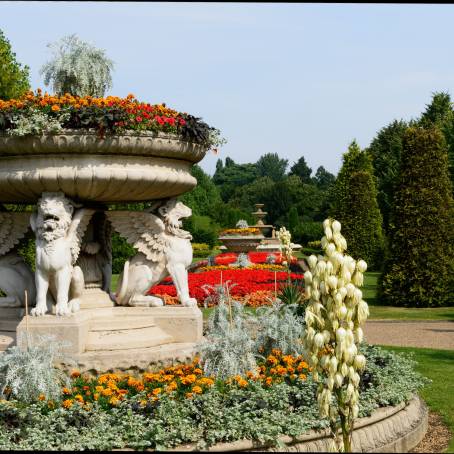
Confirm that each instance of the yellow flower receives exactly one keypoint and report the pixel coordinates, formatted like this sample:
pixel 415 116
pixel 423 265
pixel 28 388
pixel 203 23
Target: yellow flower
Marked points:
pixel 79 398
pixel 156 391
pixel 113 401
pixel 188 395
pixel 66 391
pixel 107 392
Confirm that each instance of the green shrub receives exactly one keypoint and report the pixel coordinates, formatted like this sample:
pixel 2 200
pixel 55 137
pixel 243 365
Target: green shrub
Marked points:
pixel 121 251
pixel 419 273
pixel 355 206
pixel 200 249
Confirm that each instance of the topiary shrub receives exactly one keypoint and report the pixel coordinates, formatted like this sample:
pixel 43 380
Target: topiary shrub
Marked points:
pixel 419 273
pixel 355 207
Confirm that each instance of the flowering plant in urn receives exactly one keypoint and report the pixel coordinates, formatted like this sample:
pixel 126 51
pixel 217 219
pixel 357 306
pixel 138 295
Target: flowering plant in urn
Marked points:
pixel 334 316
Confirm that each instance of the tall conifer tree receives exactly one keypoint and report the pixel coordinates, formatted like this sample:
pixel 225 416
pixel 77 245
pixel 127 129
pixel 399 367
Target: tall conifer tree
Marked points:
pixel 419 273
pixel 355 206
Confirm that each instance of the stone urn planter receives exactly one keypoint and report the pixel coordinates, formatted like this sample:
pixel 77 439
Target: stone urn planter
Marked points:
pixel 122 168
pixel 241 243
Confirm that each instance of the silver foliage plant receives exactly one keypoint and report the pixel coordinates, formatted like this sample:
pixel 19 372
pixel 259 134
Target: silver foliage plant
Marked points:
pixel 26 374
pixel 279 327
pixel 234 339
pixel 228 348
pixel 77 68
pixel 242 261
pixel 35 122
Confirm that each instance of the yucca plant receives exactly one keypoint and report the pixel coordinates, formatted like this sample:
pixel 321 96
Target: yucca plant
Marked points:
pixel 292 294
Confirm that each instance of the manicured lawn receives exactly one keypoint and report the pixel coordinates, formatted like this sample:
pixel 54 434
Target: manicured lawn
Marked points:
pixel 399 313
pixel 438 365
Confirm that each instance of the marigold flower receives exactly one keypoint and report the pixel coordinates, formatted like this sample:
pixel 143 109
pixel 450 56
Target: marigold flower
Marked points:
pixel 67 403
pixel 79 398
pixel 197 389
pixel 55 108
pixel 156 391
pixel 42 397
pixel 188 395
pixel 66 391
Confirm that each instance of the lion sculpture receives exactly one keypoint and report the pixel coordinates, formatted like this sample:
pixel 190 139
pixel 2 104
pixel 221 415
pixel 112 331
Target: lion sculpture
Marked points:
pixel 59 230
pixel 163 249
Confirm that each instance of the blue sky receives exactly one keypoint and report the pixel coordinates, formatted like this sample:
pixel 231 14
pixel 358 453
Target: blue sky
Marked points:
pixel 295 79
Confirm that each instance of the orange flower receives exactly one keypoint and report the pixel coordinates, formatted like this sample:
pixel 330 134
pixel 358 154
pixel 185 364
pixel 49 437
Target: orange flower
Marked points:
pixel 79 398
pixel 55 108
pixel 66 391
pixel 42 397
pixel 113 401
pixel 189 379
pixel 156 391
pixel 197 389
pixel 302 376
pixel 67 403
pixel 74 373
pixel 188 395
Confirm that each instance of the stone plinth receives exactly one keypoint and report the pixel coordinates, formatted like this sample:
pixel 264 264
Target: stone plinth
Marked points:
pixel 121 338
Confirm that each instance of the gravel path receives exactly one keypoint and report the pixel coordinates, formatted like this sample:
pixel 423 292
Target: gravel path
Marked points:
pixel 423 334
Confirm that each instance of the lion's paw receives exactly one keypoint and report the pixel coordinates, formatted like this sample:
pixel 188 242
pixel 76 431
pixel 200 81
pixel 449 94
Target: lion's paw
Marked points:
pixel 38 311
pixel 191 302
pixel 74 305
pixel 62 310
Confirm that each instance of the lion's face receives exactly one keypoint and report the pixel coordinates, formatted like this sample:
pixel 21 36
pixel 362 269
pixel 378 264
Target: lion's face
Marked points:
pixel 54 215
pixel 173 211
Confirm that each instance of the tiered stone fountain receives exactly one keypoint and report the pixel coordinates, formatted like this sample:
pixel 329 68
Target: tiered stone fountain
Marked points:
pixel 73 178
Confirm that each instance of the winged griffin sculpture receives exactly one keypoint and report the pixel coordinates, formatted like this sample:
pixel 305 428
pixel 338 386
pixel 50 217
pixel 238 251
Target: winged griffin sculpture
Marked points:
pixel 59 229
pixel 163 249
pixel 16 277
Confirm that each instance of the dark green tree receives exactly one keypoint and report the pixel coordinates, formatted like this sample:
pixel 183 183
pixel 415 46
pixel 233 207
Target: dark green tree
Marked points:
pixel 14 79
pixel 232 176
pixel 419 273
pixel 385 150
pixel 323 179
pixel 440 113
pixel 205 197
pixel 355 207
pixel 301 169
pixel 271 165
pixel 293 220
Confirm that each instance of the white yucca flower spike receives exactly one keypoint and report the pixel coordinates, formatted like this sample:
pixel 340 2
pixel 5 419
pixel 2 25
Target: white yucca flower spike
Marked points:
pixel 335 311
pixel 312 261
pixel 336 226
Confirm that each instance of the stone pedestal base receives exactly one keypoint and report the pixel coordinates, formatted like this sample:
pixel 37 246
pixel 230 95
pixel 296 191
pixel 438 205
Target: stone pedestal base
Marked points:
pixel 120 338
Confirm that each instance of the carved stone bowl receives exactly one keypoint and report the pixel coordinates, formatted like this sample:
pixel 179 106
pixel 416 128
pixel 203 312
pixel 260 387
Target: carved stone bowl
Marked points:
pixel 122 168
pixel 241 243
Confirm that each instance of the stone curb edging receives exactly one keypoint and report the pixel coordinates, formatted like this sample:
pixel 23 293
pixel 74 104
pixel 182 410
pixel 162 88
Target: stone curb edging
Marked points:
pixel 388 429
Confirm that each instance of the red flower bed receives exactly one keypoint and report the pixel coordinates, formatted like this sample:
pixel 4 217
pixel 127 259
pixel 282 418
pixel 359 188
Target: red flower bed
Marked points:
pixel 248 281
pixel 255 257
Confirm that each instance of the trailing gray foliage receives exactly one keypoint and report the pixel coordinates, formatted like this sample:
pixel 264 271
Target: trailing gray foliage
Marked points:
pixel 242 224
pixel 35 122
pixel 228 348
pixel 77 68
pixel 25 374
pixel 279 327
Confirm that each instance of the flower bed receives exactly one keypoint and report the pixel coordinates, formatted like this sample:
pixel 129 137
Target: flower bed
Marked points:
pixel 278 400
pixel 36 113
pixel 240 231
pixel 247 282
pixel 254 257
